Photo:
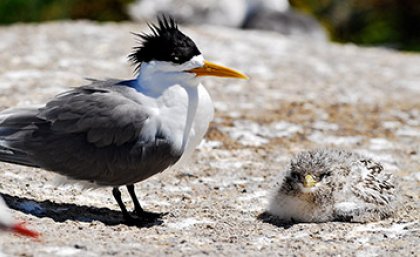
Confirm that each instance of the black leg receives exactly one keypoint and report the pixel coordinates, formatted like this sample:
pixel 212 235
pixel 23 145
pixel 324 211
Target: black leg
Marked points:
pixel 137 207
pixel 117 195
pixel 143 217
pixel 138 210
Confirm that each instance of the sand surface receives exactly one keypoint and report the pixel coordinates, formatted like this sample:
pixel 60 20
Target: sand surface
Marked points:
pixel 301 95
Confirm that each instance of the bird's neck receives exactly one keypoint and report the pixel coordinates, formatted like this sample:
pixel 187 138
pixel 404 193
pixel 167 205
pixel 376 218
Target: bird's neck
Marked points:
pixel 154 80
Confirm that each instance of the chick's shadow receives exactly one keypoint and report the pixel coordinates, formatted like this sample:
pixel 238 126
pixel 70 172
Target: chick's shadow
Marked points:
pixel 60 212
pixel 273 220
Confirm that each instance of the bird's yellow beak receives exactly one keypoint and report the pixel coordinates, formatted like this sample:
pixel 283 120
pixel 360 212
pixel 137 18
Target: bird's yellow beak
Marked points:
pixel 212 69
pixel 309 181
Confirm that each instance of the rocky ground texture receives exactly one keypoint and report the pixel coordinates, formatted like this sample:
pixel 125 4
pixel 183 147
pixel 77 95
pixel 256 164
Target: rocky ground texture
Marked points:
pixel 301 95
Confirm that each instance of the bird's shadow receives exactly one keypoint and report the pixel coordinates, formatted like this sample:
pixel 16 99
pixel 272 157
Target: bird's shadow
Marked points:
pixel 273 220
pixel 60 212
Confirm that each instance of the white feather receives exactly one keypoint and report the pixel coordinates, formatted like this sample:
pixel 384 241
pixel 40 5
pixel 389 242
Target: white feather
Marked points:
pixel 6 219
pixel 183 107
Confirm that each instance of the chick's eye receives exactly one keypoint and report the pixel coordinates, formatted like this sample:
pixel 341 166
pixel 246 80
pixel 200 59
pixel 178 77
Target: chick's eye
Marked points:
pixel 294 175
pixel 324 175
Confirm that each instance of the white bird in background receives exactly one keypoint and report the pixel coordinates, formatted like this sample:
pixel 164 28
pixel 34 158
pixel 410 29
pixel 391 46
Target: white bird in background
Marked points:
pixel 7 222
pixel 330 184
pixel 117 133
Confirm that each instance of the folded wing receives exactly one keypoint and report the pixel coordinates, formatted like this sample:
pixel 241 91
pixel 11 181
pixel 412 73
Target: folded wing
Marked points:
pixel 90 133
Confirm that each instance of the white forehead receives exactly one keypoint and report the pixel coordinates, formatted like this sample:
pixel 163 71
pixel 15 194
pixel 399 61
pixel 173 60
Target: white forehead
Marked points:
pixel 196 61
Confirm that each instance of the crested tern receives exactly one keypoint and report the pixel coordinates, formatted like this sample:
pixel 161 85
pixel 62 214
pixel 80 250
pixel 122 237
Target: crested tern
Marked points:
pixel 117 133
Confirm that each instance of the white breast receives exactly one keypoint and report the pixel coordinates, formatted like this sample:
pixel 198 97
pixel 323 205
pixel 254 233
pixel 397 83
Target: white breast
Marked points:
pixel 203 117
pixel 171 117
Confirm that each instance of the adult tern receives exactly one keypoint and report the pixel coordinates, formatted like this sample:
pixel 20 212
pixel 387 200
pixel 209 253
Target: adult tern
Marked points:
pixel 117 133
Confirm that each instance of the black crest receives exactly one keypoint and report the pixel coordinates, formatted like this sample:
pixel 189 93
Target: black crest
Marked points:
pixel 166 43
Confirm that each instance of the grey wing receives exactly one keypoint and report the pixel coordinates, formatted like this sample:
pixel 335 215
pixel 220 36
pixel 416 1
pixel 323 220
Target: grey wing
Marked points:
pixel 105 114
pixel 90 133
pixel 375 185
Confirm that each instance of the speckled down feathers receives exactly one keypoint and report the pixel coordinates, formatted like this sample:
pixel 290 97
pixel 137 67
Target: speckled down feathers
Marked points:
pixel 350 187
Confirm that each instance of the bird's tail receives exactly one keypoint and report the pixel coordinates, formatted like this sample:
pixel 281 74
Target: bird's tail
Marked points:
pixel 15 126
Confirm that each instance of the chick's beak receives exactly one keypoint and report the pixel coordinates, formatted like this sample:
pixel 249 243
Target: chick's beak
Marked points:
pixel 212 69
pixel 309 181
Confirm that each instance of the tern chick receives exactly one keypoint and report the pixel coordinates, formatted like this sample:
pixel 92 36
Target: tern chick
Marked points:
pixel 333 185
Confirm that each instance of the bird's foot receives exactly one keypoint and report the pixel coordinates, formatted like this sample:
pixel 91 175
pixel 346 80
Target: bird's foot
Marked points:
pixel 145 215
pixel 144 218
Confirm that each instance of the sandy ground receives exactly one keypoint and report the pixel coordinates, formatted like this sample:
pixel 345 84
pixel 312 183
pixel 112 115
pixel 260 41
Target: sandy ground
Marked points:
pixel 301 95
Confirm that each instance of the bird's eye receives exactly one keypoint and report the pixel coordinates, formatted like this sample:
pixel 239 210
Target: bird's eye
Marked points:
pixel 324 175
pixel 175 57
pixel 294 175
